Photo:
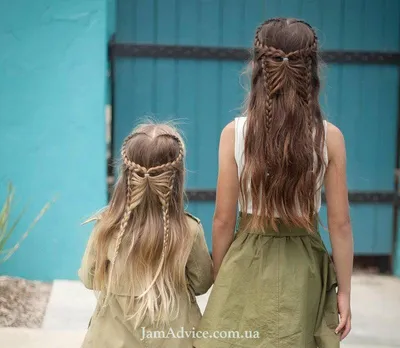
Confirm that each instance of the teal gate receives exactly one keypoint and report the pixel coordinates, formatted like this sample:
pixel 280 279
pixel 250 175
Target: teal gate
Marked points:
pixel 182 60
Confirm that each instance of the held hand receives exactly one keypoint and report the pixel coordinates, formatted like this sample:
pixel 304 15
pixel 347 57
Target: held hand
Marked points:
pixel 344 326
pixel 215 274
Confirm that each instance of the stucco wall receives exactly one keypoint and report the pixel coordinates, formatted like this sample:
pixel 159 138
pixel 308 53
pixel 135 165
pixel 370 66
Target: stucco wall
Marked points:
pixel 52 129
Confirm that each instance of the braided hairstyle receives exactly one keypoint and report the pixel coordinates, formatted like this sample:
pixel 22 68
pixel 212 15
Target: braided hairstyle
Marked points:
pixel 143 238
pixel 285 131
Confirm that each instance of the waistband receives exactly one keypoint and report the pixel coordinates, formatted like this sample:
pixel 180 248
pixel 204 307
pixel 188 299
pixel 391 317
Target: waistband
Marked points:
pixel 283 230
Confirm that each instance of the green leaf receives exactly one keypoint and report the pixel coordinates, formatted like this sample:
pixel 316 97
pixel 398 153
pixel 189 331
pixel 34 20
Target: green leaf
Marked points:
pixel 5 211
pixel 6 232
pixel 11 251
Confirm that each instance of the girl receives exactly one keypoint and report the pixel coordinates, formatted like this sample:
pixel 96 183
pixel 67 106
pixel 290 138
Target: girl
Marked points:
pixel 147 257
pixel 275 282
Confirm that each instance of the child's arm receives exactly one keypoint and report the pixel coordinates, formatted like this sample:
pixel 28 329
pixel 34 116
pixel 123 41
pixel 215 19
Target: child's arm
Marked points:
pixel 199 268
pixel 86 271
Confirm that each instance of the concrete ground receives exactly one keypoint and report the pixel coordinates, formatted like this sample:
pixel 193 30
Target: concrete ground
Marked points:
pixel 375 305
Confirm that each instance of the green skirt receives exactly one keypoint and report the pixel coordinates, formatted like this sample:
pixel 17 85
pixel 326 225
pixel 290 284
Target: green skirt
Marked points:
pixel 273 290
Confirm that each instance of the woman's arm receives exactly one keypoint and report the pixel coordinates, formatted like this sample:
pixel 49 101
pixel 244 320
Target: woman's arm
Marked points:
pixel 339 225
pixel 227 197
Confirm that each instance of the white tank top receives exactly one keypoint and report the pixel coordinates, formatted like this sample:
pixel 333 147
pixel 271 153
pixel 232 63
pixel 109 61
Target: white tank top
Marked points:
pixel 240 129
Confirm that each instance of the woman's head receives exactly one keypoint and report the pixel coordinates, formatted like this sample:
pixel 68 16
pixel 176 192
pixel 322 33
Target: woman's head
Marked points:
pixel 285 124
pixel 145 227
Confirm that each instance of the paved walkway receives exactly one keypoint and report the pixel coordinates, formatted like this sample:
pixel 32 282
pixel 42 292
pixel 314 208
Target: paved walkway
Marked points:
pixel 375 303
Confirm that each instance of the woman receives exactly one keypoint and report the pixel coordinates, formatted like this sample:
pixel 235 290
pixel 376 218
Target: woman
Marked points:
pixel 275 284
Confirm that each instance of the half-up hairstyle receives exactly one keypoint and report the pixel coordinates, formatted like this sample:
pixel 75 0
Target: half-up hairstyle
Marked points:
pixel 284 139
pixel 142 239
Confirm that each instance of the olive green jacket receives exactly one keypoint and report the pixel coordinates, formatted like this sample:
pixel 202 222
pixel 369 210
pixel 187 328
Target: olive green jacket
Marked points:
pixel 112 330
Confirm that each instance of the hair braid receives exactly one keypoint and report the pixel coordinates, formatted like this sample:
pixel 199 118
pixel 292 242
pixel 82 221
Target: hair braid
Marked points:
pixel 165 202
pixel 122 229
pixel 128 163
pixel 307 51
pixel 257 42
pixel 165 207
pixel 310 118
pixel 171 165
pixel 129 188
pixel 268 99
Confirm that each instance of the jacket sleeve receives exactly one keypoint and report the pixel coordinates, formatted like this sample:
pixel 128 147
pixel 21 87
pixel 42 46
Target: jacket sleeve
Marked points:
pixel 86 271
pixel 199 267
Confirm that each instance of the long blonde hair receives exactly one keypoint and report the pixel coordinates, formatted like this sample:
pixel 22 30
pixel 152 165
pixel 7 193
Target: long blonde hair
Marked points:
pixel 145 227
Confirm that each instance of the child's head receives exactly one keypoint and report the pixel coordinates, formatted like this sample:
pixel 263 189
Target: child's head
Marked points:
pixel 152 168
pixel 144 228
pixel 285 124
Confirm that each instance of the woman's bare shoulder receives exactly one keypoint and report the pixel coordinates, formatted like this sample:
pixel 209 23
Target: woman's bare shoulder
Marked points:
pixel 230 126
pixel 334 140
pixel 333 130
pixel 228 134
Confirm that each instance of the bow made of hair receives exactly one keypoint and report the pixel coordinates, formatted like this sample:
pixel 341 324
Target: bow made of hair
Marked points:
pixel 137 185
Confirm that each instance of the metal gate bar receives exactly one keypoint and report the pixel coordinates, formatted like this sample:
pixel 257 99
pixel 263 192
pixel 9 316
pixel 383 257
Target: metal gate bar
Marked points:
pixel 241 54
pixel 374 197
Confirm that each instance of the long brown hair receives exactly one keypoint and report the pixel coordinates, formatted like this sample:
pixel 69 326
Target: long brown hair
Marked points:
pixel 142 239
pixel 283 155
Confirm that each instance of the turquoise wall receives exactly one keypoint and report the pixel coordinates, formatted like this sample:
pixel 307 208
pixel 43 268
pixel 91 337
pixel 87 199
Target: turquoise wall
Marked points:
pixel 111 18
pixel 52 134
